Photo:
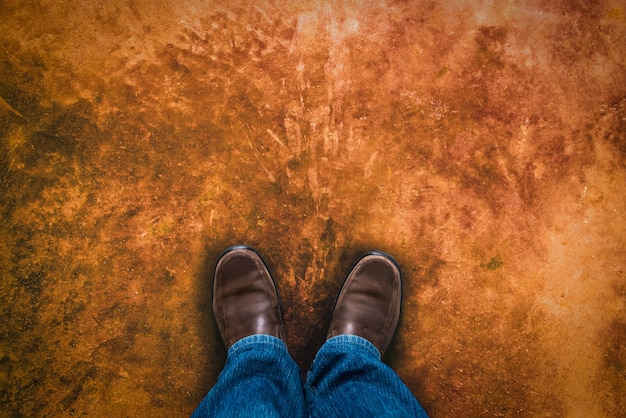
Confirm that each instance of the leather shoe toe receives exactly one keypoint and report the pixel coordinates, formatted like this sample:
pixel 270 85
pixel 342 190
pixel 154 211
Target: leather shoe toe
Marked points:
pixel 368 304
pixel 245 298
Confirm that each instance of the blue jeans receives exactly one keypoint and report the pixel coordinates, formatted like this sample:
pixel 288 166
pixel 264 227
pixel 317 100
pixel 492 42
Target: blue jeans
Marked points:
pixel 347 379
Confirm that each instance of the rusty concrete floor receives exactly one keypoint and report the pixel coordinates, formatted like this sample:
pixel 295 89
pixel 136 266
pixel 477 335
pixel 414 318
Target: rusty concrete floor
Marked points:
pixel 481 143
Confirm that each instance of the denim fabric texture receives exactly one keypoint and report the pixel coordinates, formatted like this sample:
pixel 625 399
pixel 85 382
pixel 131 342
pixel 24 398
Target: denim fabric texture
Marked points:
pixel 347 379
pixel 260 379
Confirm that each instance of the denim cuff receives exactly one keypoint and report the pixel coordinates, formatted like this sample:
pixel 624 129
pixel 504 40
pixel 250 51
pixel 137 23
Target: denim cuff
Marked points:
pixel 353 343
pixel 260 342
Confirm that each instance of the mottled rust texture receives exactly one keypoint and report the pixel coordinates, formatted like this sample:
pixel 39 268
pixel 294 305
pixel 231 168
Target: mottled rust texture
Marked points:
pixel 481 143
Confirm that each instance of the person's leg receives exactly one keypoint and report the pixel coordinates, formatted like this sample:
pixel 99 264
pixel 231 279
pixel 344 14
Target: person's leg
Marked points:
pixel 260 379
pixel 347 377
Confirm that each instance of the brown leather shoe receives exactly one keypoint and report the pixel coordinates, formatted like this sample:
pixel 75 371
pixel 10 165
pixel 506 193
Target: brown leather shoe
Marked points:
pixel 368 304
pixel 245 299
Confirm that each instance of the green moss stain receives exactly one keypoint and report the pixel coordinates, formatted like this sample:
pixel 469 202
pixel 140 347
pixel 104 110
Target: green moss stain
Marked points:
pixel 168 277
pixel 161 229
pixel 494 263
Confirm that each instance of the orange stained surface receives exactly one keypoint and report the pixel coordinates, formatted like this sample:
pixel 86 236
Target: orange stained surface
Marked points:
pixel 481 143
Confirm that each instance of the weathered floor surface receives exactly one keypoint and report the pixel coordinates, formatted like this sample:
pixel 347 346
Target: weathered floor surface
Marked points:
pixel 481 143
